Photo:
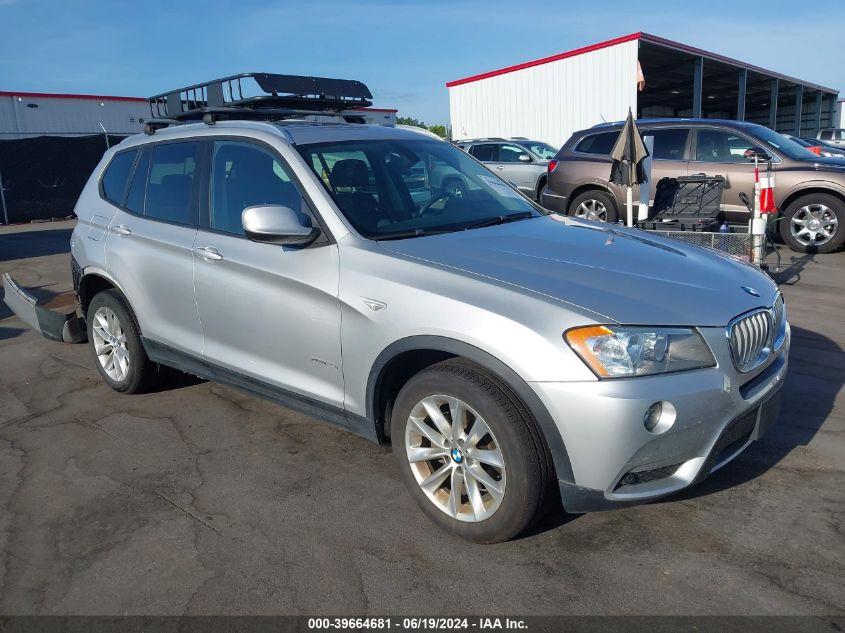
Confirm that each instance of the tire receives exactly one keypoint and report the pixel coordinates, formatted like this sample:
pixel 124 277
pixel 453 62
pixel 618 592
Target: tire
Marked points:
pixel 455 187
pixel 595 205
pixel 110 316
pixel 540 186
pixel 816 212
pixel 513 495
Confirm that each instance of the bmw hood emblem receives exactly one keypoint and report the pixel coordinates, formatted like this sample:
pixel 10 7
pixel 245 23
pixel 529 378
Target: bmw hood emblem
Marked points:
pixel 750 291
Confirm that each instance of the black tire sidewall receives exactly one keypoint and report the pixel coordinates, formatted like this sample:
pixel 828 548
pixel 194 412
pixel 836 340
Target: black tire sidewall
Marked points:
pixel 602 196
pixel 523 488
pixel 829 201
pixel 138 361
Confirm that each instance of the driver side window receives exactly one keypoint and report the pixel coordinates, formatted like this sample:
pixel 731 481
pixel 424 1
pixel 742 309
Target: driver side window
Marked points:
pixel 511 154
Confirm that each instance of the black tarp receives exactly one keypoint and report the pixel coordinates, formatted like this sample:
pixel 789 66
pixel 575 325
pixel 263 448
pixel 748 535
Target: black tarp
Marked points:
pixel 44 175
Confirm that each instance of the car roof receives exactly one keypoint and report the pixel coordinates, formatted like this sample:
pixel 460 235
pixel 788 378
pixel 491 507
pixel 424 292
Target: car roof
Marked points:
pixel 292 130
pixel 670 122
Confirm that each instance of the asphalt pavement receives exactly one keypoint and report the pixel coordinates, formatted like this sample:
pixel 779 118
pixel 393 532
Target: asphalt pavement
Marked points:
pixel 200 499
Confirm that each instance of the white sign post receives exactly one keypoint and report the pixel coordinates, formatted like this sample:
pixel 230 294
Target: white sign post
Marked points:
pixel 645 188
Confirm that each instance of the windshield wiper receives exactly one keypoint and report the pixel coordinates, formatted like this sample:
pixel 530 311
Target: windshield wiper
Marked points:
pixel 501 219
pixel 401 235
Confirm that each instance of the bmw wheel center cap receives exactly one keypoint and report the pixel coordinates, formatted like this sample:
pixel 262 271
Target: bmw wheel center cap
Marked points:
pixel 457 455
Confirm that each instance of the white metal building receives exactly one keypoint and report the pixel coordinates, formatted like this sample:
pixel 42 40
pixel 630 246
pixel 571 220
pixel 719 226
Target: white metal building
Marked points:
pixel 29 114
pixel 548 99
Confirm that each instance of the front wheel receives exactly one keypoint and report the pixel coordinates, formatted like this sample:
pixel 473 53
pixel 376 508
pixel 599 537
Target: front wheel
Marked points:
pixel 814 224
pixel 594 205
pixel 466 453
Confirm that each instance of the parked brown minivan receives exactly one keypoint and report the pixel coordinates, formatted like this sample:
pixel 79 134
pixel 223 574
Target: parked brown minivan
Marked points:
pixel 809 189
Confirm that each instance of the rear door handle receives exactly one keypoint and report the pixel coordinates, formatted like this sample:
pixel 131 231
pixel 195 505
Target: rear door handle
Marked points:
pixel 121 229
pixel 208 253
pixel 500 166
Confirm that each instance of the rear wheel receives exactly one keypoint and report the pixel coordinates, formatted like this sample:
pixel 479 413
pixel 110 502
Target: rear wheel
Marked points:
pixel 115 343
pixel 814 224
pixel 466 453
pixel 594 205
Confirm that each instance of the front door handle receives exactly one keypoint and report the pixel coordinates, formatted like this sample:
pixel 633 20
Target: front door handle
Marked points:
pixel 121 229
pixel 500 166
pixel 208 253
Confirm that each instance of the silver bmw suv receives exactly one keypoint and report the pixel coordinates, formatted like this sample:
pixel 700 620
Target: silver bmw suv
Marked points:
pixel 507 354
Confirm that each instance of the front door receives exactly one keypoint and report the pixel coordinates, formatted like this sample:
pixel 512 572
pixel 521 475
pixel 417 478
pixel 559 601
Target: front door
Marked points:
pixel 721 152
pixel 269 312
pixel 149 245
pixel 513 167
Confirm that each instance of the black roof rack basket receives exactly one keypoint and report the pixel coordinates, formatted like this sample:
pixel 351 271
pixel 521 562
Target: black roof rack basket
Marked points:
pixel 283 95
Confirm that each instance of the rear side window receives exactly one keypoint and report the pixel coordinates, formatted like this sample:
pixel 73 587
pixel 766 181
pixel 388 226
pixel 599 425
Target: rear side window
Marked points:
pixel 826 135
pixel 669 144
pixel 597 143
pixel 170 182
pixel 116 176
pixel 488 152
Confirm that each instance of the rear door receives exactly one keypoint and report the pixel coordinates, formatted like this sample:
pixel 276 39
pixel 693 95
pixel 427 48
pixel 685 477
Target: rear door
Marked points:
pixel 269 312
pixel 669 156
pixel 151 236
pixel 720 151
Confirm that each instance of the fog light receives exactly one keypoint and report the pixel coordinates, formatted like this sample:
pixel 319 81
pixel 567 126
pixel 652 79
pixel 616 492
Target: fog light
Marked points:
pixel 652 416
pixel 659 417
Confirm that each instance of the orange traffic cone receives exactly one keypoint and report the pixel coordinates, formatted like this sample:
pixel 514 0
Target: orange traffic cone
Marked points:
pixel 767 194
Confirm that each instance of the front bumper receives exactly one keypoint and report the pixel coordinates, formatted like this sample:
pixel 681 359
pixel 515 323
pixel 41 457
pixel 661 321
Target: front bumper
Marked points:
pixel 617 462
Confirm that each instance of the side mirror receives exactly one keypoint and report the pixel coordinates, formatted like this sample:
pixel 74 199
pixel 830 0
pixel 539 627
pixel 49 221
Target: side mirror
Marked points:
pixel 525 158
pixel 759 153
pixel 277 224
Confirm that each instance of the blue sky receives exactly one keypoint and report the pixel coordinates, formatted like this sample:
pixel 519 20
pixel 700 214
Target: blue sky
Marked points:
pixel 404 50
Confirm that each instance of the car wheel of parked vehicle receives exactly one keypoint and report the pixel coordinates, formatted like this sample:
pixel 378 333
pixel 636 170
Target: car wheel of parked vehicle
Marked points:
pixel 540 186
pixel 814 224
pixel 116 343
pixel 455 188
pixel 594 205
pixel 467 454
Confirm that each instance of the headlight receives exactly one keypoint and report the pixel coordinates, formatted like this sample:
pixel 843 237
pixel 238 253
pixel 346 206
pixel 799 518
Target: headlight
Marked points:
pixel 613 352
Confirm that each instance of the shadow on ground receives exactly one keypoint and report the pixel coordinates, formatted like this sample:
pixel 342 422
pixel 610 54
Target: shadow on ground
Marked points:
pixel 34 244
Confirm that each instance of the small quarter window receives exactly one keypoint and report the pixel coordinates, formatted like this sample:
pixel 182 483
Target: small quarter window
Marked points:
pixel 116 176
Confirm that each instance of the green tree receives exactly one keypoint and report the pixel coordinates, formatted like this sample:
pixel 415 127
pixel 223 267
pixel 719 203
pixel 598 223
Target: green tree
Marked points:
pixel 440 130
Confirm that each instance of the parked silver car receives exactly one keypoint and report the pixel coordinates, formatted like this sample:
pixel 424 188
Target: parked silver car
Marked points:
pixel 507 354
pixel 520 161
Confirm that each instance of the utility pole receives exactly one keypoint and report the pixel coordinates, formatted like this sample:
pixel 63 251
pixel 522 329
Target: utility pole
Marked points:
pixel 3 200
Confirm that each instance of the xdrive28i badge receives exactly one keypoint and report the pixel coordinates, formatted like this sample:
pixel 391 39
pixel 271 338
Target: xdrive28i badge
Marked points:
pixel 750 291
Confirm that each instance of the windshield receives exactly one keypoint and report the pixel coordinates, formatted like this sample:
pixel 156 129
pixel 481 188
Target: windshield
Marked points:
pixel 543 150
pixel 412 187
pixel 784 145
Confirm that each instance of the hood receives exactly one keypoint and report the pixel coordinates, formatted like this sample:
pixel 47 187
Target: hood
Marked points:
pixel 624 275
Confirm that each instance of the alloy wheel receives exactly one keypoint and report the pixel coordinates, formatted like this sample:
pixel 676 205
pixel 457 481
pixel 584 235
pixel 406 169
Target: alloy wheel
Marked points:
pixel 110 344
pixel 814 224
pixel 455 458
pixel 592 210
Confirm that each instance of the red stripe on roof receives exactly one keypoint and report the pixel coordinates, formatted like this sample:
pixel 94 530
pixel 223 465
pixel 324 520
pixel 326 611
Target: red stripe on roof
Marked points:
pixel 52 95
pixel 546 60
